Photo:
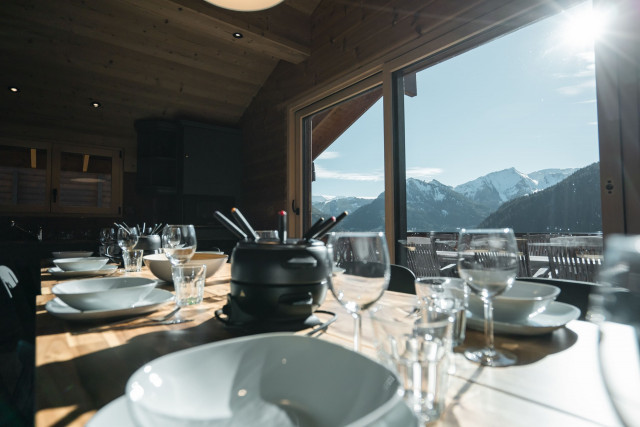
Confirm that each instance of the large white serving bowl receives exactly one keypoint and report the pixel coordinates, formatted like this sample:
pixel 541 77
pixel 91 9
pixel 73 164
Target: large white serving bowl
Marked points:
pixel 108 293
pixel 274 379
pixel 521 301
pixel 81 263
pixel 160 266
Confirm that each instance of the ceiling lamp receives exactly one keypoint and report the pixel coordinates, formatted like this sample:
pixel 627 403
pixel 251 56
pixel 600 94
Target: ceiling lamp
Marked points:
pixel 245 5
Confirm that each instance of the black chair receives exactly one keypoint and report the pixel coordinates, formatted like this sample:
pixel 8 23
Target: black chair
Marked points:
pixel 402 280
pixel 572 292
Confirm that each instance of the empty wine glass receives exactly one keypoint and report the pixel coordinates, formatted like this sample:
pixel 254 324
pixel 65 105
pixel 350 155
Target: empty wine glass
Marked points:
pixel 614 307
pixel 488 263
pixel 361 273
pixel 127 238
pixel 179 243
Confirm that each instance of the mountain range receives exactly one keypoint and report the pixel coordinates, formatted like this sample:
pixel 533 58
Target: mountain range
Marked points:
pixel 542 201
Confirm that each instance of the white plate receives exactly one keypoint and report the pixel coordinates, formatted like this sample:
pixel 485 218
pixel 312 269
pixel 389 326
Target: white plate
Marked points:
pixel 152 302
pixel 72 254
pixel 554 317
pixel 116 413
pixel 104 271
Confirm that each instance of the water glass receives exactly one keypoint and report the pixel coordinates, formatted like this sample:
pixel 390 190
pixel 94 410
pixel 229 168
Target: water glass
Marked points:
pixel 447 294
pixel 188 281
pixel 132 260
pixel 415 341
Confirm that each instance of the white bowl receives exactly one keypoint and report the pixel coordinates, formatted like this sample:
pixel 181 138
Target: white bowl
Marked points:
pixel 81 264
pixel 71 254
pixel 160 266
pixel 274 379
pixel 523 300
pixel 108 293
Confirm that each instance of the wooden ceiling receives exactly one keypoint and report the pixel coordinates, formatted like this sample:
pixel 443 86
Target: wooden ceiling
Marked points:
pixel 140 59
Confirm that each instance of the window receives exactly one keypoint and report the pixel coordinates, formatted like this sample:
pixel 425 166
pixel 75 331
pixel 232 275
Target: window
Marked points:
pixel 48 178
pixel 506 134
pixel 456 112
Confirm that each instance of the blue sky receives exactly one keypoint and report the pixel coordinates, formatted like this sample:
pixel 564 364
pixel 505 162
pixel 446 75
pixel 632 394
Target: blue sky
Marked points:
pixel 525 100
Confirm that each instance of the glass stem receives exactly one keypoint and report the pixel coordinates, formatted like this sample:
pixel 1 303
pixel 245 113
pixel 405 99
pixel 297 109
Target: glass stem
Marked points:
pixel 488 325
pixel 357 331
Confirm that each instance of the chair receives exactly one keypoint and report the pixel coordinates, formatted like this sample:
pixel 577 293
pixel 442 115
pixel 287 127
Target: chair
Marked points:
pixel 422 259
pixel 402 280
pixel 524 265
pixel 574 262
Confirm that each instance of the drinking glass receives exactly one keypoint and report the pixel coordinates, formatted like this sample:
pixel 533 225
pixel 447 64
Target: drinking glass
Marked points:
pixel 361 272
pixel 488 263
pixel 179 243
pixel 127 238
pixel 615 307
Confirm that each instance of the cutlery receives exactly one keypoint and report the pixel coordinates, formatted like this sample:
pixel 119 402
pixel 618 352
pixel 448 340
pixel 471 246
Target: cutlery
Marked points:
pixel 312 230
pixel 244 224
pixel 230 225
pixel 148 321
pixel 282 226
pixel 330 226
pixel 144 324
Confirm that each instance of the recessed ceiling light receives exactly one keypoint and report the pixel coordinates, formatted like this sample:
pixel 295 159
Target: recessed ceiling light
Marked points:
pixel 238 35
pixel 95 104
pixel 14 89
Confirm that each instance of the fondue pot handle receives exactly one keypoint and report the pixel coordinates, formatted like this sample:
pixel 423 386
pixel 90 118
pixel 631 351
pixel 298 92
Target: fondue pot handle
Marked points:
pixel 301 262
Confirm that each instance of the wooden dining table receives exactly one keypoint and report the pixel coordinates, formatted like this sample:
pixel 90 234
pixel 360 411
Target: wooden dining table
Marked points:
pixel 556 381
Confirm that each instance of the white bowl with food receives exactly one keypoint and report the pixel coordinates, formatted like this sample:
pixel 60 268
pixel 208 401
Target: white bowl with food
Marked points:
pixel 160 265
pixel 274 379
pixel 81 263
pixel 109 293
pixel 521 301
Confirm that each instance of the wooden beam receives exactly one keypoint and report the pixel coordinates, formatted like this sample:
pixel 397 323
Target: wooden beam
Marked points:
pixel 209 19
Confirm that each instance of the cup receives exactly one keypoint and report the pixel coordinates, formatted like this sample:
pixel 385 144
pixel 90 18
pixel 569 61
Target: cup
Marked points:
pixel 188 281
pixel 415 342
pixel 447 294
pixel 132 260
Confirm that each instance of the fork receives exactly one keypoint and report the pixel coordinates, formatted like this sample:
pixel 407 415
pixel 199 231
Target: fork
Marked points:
pixel 148 321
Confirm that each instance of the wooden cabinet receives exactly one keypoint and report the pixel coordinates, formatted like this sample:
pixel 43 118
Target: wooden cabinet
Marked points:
pixel 194 167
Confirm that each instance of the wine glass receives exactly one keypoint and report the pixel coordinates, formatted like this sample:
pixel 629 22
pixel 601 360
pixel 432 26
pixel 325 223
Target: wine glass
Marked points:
pixel 361 272
pixel 614 307
pixel 488 263
pixel 127 238
pixel 179 243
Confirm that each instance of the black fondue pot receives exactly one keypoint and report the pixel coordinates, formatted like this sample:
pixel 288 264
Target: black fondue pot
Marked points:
pixel 277 281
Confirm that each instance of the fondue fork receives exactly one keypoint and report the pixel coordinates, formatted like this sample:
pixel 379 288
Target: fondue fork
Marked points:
pixel 244 224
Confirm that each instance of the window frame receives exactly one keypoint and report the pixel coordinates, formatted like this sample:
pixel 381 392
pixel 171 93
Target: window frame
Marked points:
pixel 53 150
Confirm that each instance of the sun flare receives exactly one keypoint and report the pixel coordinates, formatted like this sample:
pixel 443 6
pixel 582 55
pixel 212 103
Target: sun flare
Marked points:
pixel 584 26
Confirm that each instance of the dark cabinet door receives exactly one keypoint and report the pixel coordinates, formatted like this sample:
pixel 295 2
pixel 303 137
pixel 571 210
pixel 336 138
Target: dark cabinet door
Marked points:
pixel 211 160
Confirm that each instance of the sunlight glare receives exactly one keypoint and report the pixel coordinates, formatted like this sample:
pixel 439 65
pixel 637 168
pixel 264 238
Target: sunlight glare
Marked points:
pixel 584 26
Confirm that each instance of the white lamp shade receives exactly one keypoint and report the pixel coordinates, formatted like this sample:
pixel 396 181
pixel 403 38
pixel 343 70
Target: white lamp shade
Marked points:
pixel 245 5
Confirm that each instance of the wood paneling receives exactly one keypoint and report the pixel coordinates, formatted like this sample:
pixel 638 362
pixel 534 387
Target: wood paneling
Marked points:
pixel 171 59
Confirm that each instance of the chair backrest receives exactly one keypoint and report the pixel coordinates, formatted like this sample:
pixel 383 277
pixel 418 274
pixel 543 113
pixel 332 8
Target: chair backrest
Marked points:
pixel 402 280
pixel 524 265
pixel 422 258
pixel 574 263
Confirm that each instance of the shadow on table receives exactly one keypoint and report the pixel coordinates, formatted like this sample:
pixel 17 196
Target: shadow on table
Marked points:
pixel 528 349
pixel 102 375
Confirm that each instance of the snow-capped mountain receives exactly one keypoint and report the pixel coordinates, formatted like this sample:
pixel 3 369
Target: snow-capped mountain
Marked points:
pixel 496 188
pixel 327 207
pixel 433 206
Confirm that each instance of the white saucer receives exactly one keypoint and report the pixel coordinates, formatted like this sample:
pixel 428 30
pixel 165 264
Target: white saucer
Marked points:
pixel 104 271
pixel 116 413
pixel 554 317
pixel 152 302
